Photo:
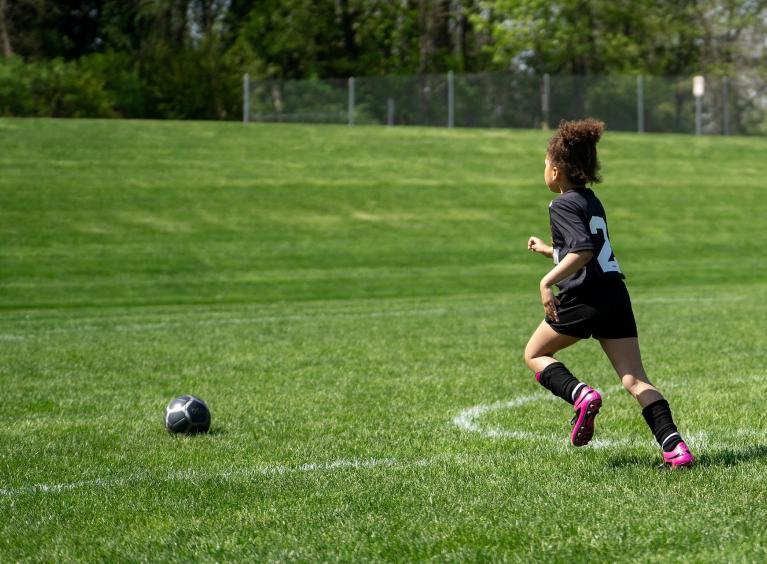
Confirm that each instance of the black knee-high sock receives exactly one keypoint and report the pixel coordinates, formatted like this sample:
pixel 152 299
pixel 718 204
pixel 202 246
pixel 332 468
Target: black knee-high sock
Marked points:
pixel 558 379
pixel 658 417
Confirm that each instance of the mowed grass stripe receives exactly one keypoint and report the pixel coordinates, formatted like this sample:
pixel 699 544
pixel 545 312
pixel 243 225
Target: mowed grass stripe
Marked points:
pixel 339 296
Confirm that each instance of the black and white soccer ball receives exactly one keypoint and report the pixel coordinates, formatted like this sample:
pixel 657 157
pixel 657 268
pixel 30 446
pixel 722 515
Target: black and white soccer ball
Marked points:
pixel 187 414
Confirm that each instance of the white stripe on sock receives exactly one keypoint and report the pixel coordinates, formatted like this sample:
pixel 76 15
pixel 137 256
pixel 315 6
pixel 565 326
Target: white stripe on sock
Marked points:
pixel 671 436
pixel 576 390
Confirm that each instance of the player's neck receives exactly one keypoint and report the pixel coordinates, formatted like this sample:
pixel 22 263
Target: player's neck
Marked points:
pixel 570 187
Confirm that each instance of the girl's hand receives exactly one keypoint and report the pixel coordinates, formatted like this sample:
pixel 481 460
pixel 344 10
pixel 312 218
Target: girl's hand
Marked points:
pixel 549 302
pixel 536 245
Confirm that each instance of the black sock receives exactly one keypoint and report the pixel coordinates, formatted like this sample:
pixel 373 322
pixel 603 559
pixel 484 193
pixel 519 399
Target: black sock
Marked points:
pixel 558 379
pixel 658 417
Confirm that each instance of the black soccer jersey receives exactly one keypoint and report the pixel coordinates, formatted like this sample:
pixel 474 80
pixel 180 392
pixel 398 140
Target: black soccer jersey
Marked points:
pixel 579 223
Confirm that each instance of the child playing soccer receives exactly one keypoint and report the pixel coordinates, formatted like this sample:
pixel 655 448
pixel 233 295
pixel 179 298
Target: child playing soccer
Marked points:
pixel 592 299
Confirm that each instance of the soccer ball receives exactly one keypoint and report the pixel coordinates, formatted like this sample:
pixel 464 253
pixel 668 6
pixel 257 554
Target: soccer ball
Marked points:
pixel 187 414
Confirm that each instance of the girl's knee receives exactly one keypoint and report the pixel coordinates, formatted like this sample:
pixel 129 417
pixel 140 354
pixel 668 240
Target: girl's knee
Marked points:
pixel 629 382
pixel 635 385
pixel 528 359
pixel 530 354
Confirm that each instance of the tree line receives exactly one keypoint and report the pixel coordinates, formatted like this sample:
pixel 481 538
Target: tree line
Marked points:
pixel 185 58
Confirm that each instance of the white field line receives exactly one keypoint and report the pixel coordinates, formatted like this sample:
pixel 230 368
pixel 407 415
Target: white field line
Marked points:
pixel 697 440
pixel 192 475
pixel 468 420
pixel 747 379
pixel 143 326
pixel 213 321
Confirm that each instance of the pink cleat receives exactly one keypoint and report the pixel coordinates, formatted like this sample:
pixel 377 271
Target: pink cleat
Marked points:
pixel 680 457
pixel 586 409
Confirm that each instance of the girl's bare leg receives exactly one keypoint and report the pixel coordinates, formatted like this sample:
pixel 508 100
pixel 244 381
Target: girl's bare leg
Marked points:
pixel 625 356
pixel 543 344
pixel 627 360
pixel 554 376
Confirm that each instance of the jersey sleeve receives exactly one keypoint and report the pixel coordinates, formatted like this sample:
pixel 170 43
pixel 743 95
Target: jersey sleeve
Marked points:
pixel 571 225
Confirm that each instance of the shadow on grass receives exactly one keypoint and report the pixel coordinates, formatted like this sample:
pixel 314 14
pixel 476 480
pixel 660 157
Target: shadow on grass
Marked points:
pixel 716 457
pixel 212 432
pixel 625 459
pixel 733 456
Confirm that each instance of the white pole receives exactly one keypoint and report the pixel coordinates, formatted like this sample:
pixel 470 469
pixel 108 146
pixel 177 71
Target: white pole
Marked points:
pixel 698 89
pixel 351 101
pixel 245 98
pixel 450 100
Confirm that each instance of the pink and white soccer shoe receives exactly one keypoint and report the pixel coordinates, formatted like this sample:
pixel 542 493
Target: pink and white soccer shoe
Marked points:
pixel 680 457
pixel 586 409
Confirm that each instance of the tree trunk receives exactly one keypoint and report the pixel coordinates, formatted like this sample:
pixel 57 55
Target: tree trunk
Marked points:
pixel 458 31
pixel 5 41
pixel 425 38
pixel 347 25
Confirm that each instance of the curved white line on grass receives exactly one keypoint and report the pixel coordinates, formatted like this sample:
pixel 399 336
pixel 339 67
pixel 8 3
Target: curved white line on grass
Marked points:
pixel 191 475
pixel 698 440
pixel 467 420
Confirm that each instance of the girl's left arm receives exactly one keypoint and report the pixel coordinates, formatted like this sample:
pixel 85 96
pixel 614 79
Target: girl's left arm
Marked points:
pixel 571 264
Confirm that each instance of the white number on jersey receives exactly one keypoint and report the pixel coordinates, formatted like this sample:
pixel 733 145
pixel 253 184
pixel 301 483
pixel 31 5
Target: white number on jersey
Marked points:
pixel 598 224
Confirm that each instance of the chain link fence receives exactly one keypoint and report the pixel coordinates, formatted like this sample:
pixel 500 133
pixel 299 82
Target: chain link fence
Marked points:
pixel 728 106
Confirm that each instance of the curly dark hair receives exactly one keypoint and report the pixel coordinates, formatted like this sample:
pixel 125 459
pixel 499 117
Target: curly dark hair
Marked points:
pixel 574 149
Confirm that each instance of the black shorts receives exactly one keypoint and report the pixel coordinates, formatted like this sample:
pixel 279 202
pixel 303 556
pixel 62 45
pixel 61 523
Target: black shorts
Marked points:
pixel 601 310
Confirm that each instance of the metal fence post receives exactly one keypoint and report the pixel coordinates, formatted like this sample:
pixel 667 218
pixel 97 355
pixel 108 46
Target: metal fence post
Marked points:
pixel 351 101
pixel 726 105
pixel 698 90
pixel 545 100
pixel 390 112
pixel 698 115
pixel 450 100
pixel 245 98
pixel 640 104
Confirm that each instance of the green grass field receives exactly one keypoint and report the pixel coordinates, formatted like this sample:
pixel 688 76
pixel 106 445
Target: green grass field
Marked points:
pixel 353 304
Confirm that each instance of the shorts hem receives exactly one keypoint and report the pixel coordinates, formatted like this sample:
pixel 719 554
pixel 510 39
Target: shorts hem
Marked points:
pixel 610 338
pixel 561 331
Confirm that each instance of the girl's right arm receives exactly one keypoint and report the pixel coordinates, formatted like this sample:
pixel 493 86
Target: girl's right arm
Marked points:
pixel 537 245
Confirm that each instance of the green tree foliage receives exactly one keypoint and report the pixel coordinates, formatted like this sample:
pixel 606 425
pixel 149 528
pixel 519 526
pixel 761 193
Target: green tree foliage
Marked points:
pixel 47 29
pixel 320 38
pixel 55 88
pixel 186 58
pixel 592 36
pixel 655 37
